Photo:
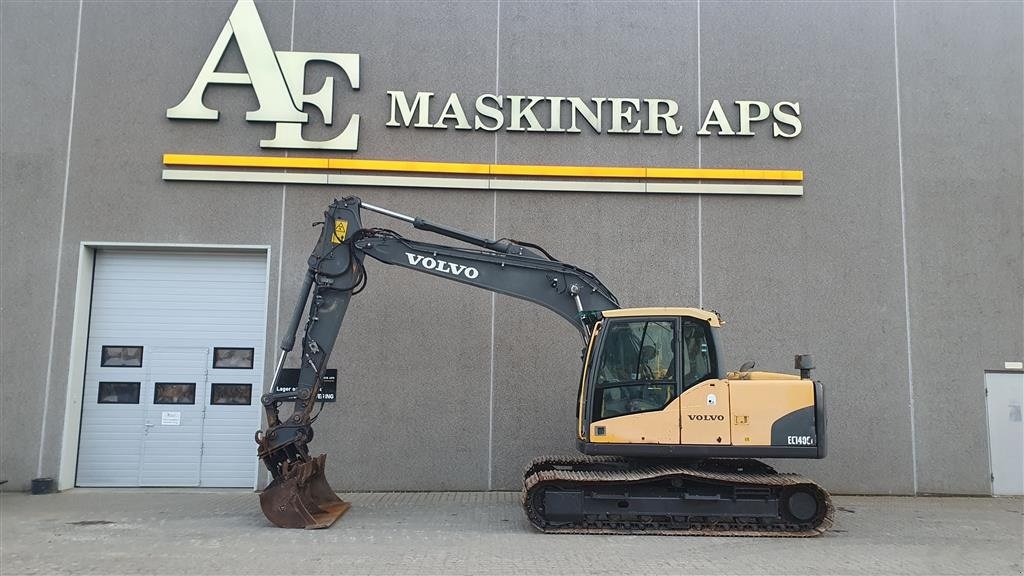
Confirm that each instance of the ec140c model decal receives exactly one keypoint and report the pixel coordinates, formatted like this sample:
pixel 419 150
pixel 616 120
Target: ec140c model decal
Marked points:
pixel 667 435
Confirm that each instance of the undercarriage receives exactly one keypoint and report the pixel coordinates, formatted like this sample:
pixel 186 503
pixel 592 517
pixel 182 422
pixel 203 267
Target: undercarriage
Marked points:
pixel 721 497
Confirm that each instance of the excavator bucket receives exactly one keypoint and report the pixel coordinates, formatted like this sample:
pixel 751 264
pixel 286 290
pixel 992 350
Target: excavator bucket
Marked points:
pixel 302 498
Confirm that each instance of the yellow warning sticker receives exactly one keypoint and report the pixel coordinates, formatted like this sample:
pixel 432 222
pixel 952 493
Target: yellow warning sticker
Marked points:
pixel 340 231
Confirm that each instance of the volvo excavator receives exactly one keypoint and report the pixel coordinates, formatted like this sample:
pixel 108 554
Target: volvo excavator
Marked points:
pixel 668 438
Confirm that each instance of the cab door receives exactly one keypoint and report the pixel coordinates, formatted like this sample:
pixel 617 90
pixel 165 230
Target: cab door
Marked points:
pixel 704 414
pixel 704 403
pixel 635 383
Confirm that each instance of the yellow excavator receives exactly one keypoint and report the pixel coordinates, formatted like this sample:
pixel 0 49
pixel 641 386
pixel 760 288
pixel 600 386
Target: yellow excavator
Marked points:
pixel 669 438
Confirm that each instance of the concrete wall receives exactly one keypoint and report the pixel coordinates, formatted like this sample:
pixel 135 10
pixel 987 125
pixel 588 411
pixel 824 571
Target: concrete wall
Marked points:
pixel 822 273
pixel 36 71
pixel 962 164
pixel 913 185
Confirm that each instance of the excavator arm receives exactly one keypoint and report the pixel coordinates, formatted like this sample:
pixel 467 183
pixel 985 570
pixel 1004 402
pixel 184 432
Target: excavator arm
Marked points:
pixel 564 289
pixel 299 495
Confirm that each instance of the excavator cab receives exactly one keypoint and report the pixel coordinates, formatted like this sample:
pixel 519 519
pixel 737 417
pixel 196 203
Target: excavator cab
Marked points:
pixel 654 386
pixel 670 437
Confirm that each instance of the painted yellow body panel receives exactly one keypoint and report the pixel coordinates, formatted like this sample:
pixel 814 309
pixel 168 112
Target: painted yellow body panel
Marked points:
pixel 757 404
pixel 704 414
pixel 761 376
pixel 581 403
pixel 698 313
pixel 655 427
pixel 742 414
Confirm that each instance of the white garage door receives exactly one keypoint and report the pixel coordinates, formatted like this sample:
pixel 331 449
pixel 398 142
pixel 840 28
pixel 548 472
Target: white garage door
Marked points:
pixel 174 369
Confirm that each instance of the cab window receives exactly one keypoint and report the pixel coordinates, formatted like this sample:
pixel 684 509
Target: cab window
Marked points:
pixel 636 369
pixel 697 354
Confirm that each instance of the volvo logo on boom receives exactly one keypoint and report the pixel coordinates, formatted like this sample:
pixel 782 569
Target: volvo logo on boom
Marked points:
pixel 442 266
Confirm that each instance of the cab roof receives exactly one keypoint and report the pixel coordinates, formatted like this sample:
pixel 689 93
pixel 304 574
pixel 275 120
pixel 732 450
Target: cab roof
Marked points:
pixel 698 313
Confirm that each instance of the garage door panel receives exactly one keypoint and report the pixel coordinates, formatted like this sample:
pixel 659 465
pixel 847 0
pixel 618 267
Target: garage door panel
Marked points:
pixel 229 428
pixel 178 306
pixel 112 435
pixel 173 435
pixel 160 310
pixel 186 326
pixel 166 299
pixel 129 455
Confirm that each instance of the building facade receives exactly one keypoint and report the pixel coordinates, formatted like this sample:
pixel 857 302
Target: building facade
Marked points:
pixel 847 182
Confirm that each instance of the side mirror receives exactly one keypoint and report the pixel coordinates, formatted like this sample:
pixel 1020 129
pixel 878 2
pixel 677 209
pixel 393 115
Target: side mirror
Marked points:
pixel 747 366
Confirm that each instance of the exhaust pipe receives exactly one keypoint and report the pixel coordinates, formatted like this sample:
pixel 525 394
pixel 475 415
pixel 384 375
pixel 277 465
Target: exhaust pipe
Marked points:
pixel 804 363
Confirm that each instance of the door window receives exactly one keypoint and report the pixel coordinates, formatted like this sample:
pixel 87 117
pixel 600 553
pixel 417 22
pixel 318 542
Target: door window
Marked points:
pixel 637 368
pixel 121 357
pixel 231 394
pixel 698 353
pixel 119 392
pixel 174 393
pixel 239 358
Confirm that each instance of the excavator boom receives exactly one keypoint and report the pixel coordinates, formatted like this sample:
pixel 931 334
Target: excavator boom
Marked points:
pixel 299 495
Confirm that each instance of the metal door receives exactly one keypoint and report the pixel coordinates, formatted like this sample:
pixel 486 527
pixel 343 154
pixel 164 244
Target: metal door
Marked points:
pixel 232 406
pixel 172 441
pixel 151 309
pixel 113 414
pixel 1004 396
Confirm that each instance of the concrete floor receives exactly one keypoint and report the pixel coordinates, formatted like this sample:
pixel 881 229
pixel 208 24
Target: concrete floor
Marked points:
pixel 90 531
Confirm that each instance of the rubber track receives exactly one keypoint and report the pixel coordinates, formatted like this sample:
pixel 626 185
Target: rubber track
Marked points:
pixel 583 471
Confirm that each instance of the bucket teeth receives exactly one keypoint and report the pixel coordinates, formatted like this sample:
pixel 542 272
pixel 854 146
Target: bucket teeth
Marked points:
pixel 302 498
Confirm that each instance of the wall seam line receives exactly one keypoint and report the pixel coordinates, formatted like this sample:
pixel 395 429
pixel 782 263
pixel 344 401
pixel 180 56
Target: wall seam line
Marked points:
pixel 280 239
pixel 700 197
pixel 903 234
pixel 60 247
pixel 280 263
pixel 494 234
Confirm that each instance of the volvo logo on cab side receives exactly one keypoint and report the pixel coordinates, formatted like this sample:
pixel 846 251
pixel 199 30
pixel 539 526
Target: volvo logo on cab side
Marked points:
pixel 707 417
pixel 442 266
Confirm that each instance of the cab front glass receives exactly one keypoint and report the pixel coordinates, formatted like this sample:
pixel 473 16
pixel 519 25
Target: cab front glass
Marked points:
pixel 636 370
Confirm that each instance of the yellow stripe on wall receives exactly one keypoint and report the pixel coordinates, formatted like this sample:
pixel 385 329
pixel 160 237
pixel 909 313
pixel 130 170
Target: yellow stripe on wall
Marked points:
pixel 408 166
pixel 724 174
pixel 586 171
pixel 245 161
pixel 480 169
pixel 486 183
